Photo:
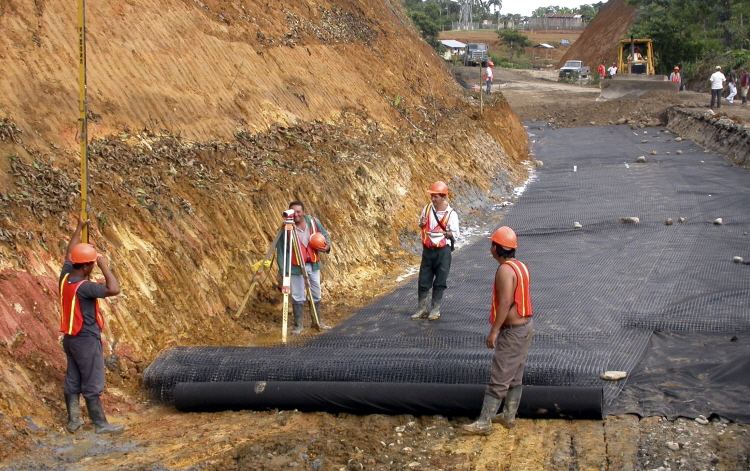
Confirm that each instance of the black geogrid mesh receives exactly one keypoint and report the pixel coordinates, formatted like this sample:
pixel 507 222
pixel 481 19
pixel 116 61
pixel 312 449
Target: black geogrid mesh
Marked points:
pixel 598 291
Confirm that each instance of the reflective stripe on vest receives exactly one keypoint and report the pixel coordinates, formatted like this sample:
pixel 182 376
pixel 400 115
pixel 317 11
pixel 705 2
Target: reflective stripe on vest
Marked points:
pixel 426 240
pixel 306 253
pixel 71 316
pixel 521 296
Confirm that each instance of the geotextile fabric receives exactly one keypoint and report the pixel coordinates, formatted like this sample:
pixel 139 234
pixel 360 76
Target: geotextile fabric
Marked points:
pixel 599 291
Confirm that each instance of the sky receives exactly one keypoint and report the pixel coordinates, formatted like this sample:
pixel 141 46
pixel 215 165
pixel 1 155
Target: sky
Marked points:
pixel 525 7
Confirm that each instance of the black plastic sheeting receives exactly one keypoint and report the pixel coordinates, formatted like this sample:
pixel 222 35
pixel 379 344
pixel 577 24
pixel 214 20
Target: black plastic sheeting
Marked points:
pixel 599 291
pixel 382 398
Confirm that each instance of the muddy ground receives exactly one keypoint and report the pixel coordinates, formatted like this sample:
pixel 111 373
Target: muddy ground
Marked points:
pixel 161 438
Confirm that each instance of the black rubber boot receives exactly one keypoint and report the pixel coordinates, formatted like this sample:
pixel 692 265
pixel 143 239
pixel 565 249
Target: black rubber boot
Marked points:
pixel 512 400
pixel 298 310
pixel 437 299
pixel 96 414
pixel 73 404
pixel 320 319
pixel 422 306
pixel 483 424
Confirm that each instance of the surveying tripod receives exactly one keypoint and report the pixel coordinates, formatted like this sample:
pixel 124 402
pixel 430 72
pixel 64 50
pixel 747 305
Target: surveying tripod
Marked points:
pixel 288 235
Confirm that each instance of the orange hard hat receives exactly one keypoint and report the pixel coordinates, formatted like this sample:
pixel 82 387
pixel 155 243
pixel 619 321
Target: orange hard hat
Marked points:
pixel 438 188
pixel 491 64
pixel 676 68
pixel 506 237
pixel 83 253
pixel 317 241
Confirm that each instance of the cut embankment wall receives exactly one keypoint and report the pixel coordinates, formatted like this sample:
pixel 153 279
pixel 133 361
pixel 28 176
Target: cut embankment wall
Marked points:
pixel 714 132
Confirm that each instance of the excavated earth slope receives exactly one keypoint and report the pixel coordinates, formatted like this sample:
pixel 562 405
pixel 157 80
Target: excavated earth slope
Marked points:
pixel 206 119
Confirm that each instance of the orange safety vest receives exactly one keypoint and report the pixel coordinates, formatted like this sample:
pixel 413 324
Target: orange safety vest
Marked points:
pixel 71 316
pixel 426 240
pixel 306 253
pixel 675 77
pixel 521 297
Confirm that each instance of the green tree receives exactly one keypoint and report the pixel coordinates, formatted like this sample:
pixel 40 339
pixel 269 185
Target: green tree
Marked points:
pixel 514 40
pixel 426 27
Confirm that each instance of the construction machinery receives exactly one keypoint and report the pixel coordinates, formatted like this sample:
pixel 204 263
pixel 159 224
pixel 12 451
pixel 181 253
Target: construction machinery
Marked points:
pixel 635 72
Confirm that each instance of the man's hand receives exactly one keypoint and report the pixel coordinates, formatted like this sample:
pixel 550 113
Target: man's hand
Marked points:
pixel 492 338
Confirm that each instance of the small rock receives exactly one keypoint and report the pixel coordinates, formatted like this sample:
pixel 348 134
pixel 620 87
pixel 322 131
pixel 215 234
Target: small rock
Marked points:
pixel 577 225
pixel 641 159
pixel 622 121
pixel 678 139
pixel 613 375
pixel 593 123
pixel 738 259
pixel 669 222
pixel 682 219
pixel 701 420
pixel 406 450
pixel 668 153
pixel 539 163
pixel 718 221
pixel 644 141
pixel 679 152
pixel 630 220
pixel 653 152
pixel 673 446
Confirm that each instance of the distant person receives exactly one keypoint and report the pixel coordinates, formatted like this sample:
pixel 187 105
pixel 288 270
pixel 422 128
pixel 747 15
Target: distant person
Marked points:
pixel 488 76
pixel 602 71
pixel 81 322
pixel 510 334
pixel 438 223
pixel 744 84
pixel 612 69
pixel 676 77
pixel 636 55
pixel 732 85
pixel 717 80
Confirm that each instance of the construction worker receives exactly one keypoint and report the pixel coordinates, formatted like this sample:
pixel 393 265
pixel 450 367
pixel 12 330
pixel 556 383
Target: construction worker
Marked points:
pixel 717 80
pixel 613 69
pixel 308 248
pixel 82 322
pixel 676 77
pixel 510 334
pixel 488 76
pixel 439 225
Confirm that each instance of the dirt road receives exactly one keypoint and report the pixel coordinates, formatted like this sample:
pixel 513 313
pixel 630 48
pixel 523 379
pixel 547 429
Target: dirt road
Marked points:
pixel 160 438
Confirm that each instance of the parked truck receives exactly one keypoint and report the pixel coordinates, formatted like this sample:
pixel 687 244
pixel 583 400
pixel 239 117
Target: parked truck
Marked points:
pixel 476 54
pixel 573 68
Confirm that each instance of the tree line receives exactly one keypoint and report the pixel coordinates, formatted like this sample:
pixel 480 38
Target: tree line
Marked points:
pixel 695 35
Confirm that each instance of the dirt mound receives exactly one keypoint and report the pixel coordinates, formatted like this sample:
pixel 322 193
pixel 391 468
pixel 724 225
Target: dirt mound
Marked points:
pixel 600 40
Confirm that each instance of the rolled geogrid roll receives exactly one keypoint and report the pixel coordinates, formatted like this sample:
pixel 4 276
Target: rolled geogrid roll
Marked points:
pixel 381 398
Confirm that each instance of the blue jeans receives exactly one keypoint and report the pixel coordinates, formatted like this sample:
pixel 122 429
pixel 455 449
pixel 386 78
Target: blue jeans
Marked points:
pixel 489 86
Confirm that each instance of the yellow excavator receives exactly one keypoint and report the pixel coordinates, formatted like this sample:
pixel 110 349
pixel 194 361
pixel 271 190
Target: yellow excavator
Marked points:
pixel 635 72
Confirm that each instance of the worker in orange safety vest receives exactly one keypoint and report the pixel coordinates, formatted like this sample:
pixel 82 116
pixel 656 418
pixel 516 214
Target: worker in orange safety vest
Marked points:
pixel 81 322
pixel 510 334
pixel 438 223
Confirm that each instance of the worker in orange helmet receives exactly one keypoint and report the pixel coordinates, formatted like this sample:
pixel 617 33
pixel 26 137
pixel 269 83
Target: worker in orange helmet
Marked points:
pixel 676 77
pixel 82 323
pixel 510 334
pixel 307 230
pixel 439 225
pixel 489 75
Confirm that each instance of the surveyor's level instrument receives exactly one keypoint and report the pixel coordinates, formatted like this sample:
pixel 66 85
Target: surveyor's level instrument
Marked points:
pixel 288 238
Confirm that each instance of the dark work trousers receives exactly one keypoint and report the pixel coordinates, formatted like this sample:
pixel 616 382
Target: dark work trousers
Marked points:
pixel 434 270
pixel 716 94
pixel 511 348
pixel 85 373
